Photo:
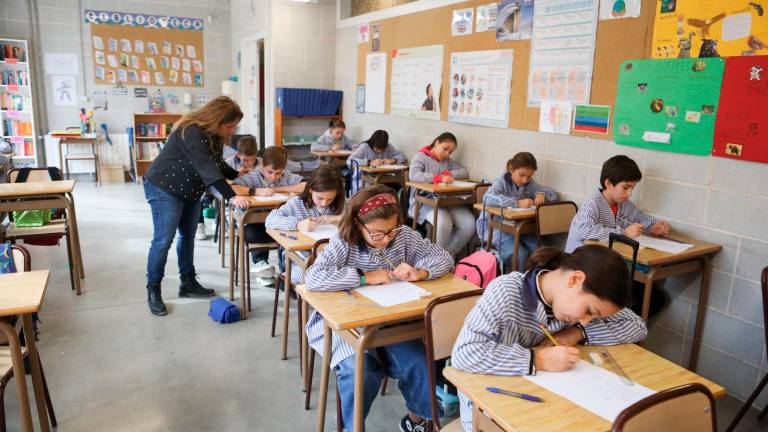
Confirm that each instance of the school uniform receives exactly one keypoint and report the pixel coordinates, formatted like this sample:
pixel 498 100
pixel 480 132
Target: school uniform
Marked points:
pixel 326 141
pixel 364 154
pixel 503 327
pixel 505 193
pixel 257 233
pixel 336 269
pixel 236 163
pixel 455 225
pixel 595 220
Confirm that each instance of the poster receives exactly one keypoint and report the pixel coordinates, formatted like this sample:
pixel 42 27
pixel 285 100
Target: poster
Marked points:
pixel 668 105
pixel 741 126
pixel 592 118
pixel 461 24
pixel 555 117
pixel 61 64
pixel 362 33
pixel 562 51
pixel 514 20
pixel 485 19
pixel 375 82
pixel 417 75
pixel 480 87
pixel 375 37
pixel 64 90
pixel 722 28
pixel 615 9
pixel 360 98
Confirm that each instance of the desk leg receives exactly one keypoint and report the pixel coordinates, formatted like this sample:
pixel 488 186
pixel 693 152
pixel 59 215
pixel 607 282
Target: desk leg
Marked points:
pixel 37 379
pixel 286 304
pixel 362 344
pixel 71 239
pixel 304 344
pixel 519 225
pixel 231 256
pixel 416 207
pixel 706 272
pixel 222 227
pixel 647 289
pixel 434 222
pixel 78 251
pixel 241 265
pixel 324 375
pixel 18 372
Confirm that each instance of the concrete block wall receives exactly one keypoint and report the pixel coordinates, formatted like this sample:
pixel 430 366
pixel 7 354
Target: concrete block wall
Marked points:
pixel 714 199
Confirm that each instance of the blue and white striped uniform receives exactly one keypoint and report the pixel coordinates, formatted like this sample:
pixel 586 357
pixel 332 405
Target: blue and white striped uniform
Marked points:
pixel 423 169
pixel 364 154
pixel 336 269
pixel 255 179
pixel 505 193
pixel 503 327
pixel 595 220
pixel 326 141
pixel 236 163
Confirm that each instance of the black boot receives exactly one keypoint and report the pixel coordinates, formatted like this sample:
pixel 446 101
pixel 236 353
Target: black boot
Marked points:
pixel 156 305
pixel 191 288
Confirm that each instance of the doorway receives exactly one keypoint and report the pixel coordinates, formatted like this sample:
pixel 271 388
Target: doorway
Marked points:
pixel 252 71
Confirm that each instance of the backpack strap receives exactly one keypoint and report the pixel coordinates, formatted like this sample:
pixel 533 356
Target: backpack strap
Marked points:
pixel 477 269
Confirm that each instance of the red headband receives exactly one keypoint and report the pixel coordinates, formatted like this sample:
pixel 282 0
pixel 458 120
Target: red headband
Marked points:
pixel 375 202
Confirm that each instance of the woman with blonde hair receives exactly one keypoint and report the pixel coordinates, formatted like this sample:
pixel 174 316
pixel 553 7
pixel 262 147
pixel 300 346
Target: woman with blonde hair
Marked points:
pixel 190 162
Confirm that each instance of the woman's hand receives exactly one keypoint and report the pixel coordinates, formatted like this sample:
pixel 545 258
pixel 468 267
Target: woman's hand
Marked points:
pixel 243 171
pixel 306 225
pixel 239 201
pixel 408 273
pixel 264 192
pixel 377 277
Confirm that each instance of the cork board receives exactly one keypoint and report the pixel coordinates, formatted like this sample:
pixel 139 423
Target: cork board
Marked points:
pixel 616 41
pixel 186 46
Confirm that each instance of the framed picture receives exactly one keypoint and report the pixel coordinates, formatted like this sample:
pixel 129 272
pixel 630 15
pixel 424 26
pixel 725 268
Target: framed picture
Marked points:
pixel 360 98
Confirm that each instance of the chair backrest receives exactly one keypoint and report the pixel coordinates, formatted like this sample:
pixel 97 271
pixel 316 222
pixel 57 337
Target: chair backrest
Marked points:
pixel 480 190
pixel 443 321
pixel 21 259
pixel 554 217
pixel 317 248
pixel 34 174
pixel 687 408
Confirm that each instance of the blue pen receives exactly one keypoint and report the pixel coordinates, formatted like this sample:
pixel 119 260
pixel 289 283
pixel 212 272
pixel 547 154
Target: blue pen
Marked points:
pixel 515 394
pixel 292 237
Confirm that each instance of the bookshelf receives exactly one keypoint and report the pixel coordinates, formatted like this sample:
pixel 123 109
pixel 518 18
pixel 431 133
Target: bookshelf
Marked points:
pixel 150 131
pixel 17 110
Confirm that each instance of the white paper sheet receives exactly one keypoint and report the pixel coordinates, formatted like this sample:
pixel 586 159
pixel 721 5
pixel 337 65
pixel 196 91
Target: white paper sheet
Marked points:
pixel 393 293
pixel 518 209
pixel 663 245
pixel 375 82
pixel 592 388
pixel 462 183
pixel 342 152
pixel 392 166
pixel 275 197
pixel 322 231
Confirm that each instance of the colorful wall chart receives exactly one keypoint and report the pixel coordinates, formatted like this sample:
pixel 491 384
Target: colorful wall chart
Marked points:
pixel 697 28
pixel 417 75
pixel 562 51
pixel 741 128
pixel 142 50
pixel 479 87
pixel 668 105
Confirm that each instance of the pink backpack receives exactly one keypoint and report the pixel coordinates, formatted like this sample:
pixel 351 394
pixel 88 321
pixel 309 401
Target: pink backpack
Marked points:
pixel 480 268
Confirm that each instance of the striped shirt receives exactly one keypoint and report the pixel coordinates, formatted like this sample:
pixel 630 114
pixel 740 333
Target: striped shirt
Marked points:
pixel 423 169
pixel 336 269
pixel 364 154
pixel 288 216
pixel 595 220
pixel 505 193
pixel 255 179
pixel 236 163
pixel 326 141
pixel 503 327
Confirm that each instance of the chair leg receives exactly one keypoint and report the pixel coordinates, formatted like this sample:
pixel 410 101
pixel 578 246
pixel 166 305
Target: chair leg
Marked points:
pixel 748 404
pixel 69 258
pixel 237 262
pixel 383 388
pixel 2 407
pixel 310 371
pixel 339 418
pixel 762 413
pixel 48 401
pixel 274 304
pixel 248 282
pixel 298 326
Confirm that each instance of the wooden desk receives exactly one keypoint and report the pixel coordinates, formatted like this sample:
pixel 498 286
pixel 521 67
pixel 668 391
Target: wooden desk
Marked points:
pixel 379 175
pixel 441 195
pixel 47 195
pixel 22 294
pixel 365 327
pixel 64 158
pixel 256 212
pixel 663 265
pixel 522 221
pixel 557 413
pixel 336 158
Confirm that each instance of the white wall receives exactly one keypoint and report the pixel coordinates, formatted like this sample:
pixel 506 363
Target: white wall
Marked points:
pixel 713 199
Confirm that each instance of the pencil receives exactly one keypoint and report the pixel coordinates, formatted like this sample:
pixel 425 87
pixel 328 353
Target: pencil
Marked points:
pixel 549 335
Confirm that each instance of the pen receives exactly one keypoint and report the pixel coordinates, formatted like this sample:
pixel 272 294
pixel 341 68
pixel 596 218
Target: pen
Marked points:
pixel 515 394
pixel 549 335
pixel 292 237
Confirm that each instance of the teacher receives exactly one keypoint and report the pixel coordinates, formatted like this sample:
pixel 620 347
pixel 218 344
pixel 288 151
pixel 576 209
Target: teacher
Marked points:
pixel 190 162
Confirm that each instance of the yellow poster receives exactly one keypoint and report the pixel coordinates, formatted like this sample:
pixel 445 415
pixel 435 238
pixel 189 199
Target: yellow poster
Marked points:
pixel 710 28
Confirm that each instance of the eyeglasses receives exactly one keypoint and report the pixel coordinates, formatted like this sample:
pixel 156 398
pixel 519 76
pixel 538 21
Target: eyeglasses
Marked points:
pixel 380 235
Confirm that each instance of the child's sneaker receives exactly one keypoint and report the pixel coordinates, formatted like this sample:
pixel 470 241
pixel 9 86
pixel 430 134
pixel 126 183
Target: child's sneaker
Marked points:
pixel 264 281
pixel 406 425
pixel 263 269
pixel 201 234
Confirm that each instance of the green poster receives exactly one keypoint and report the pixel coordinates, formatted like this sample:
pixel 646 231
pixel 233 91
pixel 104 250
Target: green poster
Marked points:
pixel 668 105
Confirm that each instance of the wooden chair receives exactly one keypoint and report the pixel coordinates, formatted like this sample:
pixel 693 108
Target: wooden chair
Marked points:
pixel 22 262
pixel 764 381
pixel 443 320
pixel 687 408
pixel 554 218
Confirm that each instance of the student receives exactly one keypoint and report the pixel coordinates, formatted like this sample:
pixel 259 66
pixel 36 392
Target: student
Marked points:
pixel 374 152
pixel 580 298
pixel 609 208
pixel 433 164
pixel 321 202
pixel 371 236
pixel 515 188
pixel 334 139
pixel 270 178
pixel 245 160
pixel 429 102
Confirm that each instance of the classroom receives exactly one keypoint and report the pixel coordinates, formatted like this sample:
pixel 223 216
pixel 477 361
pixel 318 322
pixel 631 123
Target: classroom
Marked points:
pixel 381 215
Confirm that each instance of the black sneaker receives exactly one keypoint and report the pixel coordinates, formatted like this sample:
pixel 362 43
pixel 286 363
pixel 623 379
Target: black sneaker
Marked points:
pixel 191 288
pixel 406 425
pixel 155 301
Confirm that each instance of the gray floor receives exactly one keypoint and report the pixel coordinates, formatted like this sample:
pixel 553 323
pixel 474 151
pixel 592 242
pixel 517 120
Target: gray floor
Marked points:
pixel 112 366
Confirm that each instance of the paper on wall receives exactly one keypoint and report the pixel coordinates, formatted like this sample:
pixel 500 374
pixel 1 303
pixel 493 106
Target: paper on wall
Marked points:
pixel 61 64
pixel 480 87
pixel 485 18
pixel 417 75
pixel 461 24
pixel 615 9
pixel 375 82
pixel 555 117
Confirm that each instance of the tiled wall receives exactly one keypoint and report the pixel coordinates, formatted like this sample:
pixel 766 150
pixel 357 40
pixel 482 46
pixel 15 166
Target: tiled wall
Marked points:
pixel 714 199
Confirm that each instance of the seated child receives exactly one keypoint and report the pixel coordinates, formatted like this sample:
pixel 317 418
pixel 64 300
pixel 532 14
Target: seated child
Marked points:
pixel 371 239
pixel 374 152
pixel 245 160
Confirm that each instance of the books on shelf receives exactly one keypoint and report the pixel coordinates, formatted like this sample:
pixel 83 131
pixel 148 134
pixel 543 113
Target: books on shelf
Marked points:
pixel 14 102
pixel 153 130
pixel 149 150
pixel 17 103
pixel 15 77
pixel 17 128
pixel 9 51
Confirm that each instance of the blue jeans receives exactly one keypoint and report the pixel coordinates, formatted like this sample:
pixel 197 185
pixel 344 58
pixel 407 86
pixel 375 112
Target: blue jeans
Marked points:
pixel 405 361
pixel 170 214
pixel 527 245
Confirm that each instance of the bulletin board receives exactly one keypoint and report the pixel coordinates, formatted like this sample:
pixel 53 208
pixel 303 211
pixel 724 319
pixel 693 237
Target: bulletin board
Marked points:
pixel 167 53
pixel 617 41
